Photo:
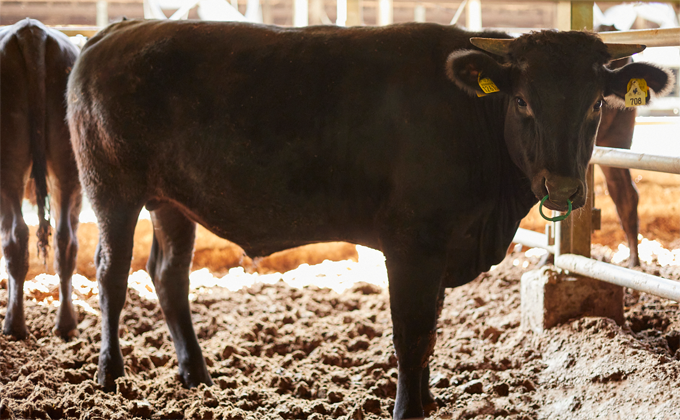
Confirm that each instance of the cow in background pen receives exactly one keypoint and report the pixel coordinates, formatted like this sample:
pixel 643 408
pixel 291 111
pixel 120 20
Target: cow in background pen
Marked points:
pixel 616 130
pixel 35 62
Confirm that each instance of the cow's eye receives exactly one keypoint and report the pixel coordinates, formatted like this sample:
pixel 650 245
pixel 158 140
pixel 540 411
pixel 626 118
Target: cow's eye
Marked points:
pixel 598 105
pixel 520 102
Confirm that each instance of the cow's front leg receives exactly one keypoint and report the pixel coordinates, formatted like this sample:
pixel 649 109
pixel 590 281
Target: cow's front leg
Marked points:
pixel 112 258
pixel 429 403
pixel 414 290
pixel 169 264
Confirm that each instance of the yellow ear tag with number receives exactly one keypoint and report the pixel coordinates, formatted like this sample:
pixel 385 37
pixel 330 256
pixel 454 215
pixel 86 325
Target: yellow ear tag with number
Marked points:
pixel 487 85
pixel 636 93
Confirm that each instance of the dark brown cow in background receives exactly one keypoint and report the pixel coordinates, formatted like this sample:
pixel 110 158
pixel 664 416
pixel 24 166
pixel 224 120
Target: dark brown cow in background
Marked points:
pixel 35 63
pixel 278 137
pixel 616 130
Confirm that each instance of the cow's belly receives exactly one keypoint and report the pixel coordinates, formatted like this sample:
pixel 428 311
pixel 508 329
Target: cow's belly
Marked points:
pixel 268 209
pixel 260 229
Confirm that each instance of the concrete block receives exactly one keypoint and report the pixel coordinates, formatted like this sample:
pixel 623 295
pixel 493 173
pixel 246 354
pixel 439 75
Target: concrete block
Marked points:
pixel 551 297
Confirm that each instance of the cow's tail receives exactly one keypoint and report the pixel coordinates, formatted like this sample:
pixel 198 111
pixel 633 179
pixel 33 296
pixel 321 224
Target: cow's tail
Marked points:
pixel 32 41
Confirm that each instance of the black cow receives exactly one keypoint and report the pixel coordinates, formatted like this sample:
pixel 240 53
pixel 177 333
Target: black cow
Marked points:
pixel 276 137
pixel 35 63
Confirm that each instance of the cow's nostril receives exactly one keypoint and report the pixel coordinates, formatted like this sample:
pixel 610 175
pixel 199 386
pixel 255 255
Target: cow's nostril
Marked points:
pixel 563 189
pixel 576 194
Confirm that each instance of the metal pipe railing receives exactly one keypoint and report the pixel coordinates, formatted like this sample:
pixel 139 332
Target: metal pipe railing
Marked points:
pixel 618 158
pixel 610 273
pixel 623 158
pixel 667 37
pixel 88 31
pixel 533 240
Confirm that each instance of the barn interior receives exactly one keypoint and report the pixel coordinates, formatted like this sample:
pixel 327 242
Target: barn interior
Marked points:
pixel 306 333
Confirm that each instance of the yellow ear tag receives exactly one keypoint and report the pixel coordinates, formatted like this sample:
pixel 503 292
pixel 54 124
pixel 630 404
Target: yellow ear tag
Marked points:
pixel 487 85
pixel 637 93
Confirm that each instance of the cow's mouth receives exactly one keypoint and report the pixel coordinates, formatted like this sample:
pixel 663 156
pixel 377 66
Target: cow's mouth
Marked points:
pixel 563 207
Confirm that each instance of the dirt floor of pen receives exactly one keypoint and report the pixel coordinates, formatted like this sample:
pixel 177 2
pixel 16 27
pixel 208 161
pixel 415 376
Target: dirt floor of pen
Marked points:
pixel 279 352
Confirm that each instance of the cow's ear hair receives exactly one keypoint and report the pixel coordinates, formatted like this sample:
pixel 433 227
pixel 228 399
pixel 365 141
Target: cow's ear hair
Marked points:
pixel 661 81
pixel 464 67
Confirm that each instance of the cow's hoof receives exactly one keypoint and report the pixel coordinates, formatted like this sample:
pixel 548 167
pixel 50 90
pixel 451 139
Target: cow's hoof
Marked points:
pixel 66 326
pixel 429 404
pixel 430 407
pixel 65 335
pixel 15 329
pixel 192 378
pixel 108 371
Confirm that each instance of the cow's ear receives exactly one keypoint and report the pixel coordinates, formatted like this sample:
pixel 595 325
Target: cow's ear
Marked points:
pixel 468 67
pixel 660 81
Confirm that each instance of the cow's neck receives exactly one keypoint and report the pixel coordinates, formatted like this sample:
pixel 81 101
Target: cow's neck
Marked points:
pixel 509 198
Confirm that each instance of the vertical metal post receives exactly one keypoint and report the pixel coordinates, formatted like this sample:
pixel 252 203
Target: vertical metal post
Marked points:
pixel 419 13
pixel 341 19
pixel 474 15
pixel 385 12
pixel 102 13
pixel 349 13
pixel 300 13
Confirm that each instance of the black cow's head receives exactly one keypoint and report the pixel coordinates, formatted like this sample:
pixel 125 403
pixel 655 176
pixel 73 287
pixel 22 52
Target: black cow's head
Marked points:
pixel 556 84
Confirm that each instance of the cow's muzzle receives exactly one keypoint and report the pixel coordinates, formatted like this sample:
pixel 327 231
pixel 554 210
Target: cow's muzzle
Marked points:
pixel 559 189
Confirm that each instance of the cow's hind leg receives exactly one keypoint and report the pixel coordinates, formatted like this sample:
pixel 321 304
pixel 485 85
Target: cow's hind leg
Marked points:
pixel 169 265
pixel 69 202
pixel 112 258
pixel 414 290
pixel 625 196
pixel 15 250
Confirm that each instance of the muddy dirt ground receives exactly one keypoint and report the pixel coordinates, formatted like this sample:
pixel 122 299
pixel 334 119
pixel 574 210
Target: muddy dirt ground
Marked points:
pixel 278 352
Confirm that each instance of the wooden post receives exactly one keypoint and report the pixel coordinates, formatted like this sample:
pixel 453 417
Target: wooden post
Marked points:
pixel 573 234
pixel 550 296
pixel 563 15
pixel 267 15
pixel 355 15
pixel 582 15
